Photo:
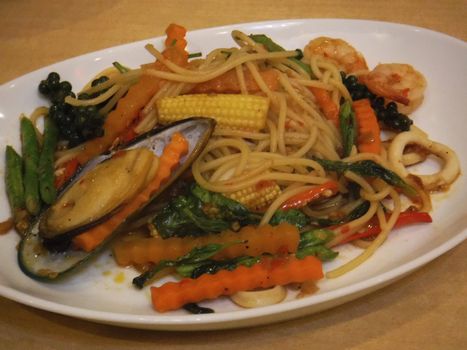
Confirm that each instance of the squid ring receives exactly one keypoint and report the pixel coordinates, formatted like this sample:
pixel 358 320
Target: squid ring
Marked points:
pixel 256 298
pixel 412 158
pixel 446 176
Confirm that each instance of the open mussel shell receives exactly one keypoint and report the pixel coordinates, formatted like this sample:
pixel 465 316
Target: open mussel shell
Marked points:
pixel 46 256
pixel 98 193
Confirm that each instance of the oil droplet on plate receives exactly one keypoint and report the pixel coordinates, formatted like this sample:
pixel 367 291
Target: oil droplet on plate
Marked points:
pixel 119 277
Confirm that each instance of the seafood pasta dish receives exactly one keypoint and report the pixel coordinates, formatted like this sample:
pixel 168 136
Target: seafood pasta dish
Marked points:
pixel 238 172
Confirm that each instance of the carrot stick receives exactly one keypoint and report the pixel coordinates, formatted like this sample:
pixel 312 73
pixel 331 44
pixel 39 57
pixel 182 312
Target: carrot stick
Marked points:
pixel 254 241
pixel 265 274
pixel 129 106
pixel 327 105
pixel 369 133
pixel 170 157
pixel 301 199
pixel 228 82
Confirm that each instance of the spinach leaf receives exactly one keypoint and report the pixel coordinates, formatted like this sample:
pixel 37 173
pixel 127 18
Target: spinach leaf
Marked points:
pixel 186 215
pixel 369 168
pixel 195 257
pixel 229 209
pixel 357 212
pixel 213 266
pixel 313 243
pixel 292 216
pixel 271 46
pixel 195 309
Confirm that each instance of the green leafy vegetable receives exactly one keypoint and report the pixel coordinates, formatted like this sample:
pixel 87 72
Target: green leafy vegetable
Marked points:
pixel 196 309
pixel 213 266
pixel 186 215
pixel 229 209
pixel 313 243
pixel 194 258
pixel 292 216
pixel 369 168
pixel 271 46
pixel 359 211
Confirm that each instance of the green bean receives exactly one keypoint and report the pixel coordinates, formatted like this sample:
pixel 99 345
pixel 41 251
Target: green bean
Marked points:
pixel 30 149
pixel 14 178
pixel 15 189
pixel 46 162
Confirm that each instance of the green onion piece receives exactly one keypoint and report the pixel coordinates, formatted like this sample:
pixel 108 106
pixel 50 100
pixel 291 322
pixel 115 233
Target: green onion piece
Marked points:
pixel 120 67
pixel 195 54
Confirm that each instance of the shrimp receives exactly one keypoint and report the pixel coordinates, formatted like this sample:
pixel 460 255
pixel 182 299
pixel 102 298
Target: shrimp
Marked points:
pixel 397 82
pixel 338 52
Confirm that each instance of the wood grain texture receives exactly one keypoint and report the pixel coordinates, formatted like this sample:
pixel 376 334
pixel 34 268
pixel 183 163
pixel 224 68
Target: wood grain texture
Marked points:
pixel 426 310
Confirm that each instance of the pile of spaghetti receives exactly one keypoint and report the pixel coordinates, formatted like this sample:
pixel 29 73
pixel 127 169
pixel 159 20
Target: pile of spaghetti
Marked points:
pixel 311 150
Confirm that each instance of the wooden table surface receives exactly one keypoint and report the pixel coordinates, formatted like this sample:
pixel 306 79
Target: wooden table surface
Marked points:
pixel 426 310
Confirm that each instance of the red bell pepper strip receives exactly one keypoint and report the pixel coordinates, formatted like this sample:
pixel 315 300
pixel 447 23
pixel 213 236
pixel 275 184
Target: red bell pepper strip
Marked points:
pixel 303 198
pixel 405 218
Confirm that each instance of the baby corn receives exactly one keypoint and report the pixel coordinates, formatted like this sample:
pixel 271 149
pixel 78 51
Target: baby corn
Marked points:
pixel 238 112
pixel 257 197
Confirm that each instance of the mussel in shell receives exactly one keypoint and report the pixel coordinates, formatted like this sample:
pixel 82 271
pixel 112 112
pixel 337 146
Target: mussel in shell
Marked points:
pixel 99 190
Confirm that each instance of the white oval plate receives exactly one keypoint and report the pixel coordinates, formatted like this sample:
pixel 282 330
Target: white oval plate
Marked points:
pixel 103 293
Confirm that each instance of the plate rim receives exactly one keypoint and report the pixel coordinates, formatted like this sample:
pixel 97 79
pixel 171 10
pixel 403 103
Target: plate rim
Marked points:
pixel 161 321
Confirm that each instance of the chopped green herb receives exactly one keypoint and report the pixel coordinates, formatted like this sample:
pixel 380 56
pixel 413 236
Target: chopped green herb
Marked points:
pixel 121 68
pixel 195 54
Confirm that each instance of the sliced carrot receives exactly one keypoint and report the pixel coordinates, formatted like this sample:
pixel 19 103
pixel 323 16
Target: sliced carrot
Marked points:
pixel 228 82
pixel 170 157
pixel 265 274
pixel 327 105
pixel 175 36
pixel 254 241
pixel 70 169
pixel 301 199
pixel 369 133
pixel 129 106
